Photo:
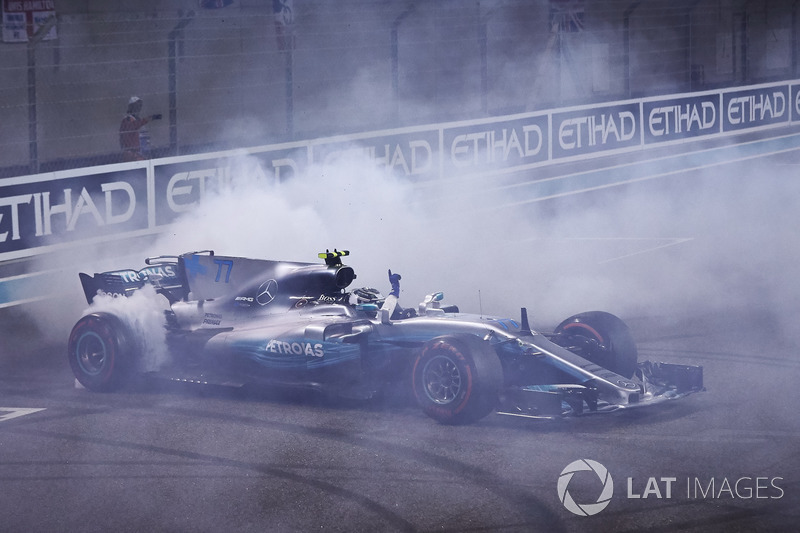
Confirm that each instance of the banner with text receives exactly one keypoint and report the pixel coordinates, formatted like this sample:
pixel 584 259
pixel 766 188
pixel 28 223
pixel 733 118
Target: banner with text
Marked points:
pixel 110 202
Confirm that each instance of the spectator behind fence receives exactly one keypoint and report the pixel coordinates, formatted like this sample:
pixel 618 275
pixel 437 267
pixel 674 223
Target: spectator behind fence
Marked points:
pixel 134 139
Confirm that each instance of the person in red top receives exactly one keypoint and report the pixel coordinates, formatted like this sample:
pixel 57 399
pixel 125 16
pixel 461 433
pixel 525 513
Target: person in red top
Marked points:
pixel 132 139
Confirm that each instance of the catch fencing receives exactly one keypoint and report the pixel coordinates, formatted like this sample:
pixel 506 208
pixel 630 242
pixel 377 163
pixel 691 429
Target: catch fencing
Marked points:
pixel 235 73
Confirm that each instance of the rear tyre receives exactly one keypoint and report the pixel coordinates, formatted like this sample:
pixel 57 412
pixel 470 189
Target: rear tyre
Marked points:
pixel 456 379
pixel 101 352
pixel 602 338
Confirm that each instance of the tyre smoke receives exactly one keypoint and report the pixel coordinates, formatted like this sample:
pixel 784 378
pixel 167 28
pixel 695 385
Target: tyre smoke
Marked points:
pixel 699 243
pixel 143 313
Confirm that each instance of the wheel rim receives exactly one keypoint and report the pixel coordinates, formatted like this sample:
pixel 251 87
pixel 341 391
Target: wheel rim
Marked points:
pixel 91 353
pixel 585 331
pixel 441 380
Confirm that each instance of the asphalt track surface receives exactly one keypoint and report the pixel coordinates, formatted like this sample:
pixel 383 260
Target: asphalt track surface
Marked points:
pixel 170 457
pixel 175 458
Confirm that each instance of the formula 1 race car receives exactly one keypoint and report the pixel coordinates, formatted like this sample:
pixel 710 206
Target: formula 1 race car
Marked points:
pixel 275 323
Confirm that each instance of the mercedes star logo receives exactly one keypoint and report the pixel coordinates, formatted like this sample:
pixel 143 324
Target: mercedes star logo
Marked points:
pixel 266 292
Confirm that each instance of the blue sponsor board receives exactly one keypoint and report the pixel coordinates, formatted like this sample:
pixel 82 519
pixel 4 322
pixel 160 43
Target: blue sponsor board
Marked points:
pixel 752 108
pixel 61 207
pixel 410 154
pixel 680 118
pixel 180 187
pixel 282 163
pixel 503 143
pixel 795 102
pixel 593 130
pixel 52 211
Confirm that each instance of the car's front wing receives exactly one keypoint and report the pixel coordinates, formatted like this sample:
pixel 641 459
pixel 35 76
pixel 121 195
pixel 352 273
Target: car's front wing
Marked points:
pixel 657 383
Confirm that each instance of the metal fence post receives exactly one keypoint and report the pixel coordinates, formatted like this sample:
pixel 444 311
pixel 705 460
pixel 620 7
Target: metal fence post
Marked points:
pixel 33 134
pixel 172 69
pixel 396 56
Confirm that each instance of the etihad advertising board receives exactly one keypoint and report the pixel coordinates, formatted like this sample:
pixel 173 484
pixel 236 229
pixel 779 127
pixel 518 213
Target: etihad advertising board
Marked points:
pixel 179 187
pixel 756 107
pixel 680 118
pixel 411 154
pixel 66 207
pixel 53 211
pixel 503 143
pixel 595 129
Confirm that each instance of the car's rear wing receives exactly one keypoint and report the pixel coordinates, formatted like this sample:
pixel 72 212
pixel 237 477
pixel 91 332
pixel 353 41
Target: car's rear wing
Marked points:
pixel 205 276
pixel 164 273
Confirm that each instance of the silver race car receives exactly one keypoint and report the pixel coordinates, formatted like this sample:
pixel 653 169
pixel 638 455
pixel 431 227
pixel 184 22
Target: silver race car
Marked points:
pixel 271 323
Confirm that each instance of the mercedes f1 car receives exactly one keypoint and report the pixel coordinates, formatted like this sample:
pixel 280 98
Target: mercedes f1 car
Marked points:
pixel 279 323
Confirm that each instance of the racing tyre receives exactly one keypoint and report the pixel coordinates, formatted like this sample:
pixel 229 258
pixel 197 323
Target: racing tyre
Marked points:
pixel 456 379
pixel 101 352
pixel 603 339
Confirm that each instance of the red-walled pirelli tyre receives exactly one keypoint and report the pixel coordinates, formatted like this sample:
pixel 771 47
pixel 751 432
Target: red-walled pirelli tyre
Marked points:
pixel 603 339
pixel 101 352
pixel 456 378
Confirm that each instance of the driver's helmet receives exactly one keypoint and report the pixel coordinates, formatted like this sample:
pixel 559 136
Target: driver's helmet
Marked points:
pixel 367 295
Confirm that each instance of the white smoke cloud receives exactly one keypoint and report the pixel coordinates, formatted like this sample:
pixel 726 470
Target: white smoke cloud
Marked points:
pixel 698 243
pixel 694 244
pixel 431 234
pixel 143 314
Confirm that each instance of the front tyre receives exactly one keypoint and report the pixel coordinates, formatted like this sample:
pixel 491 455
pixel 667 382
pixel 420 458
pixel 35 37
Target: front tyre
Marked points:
pixel 101 351
pixel 456 379
pixel 602 338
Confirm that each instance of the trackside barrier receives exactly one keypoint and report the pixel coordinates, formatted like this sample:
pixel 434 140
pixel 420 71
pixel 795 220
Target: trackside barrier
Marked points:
pixel 43 212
